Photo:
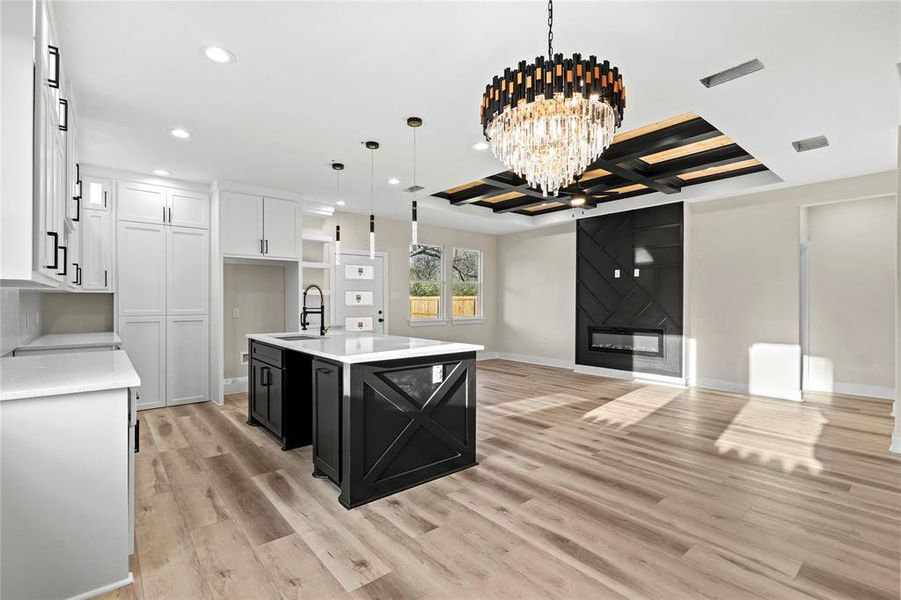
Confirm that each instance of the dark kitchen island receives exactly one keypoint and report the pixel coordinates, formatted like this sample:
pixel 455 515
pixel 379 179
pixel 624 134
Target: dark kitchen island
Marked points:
pixel 383 413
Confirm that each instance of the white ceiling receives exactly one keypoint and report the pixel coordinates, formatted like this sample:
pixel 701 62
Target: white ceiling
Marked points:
pixel 314 80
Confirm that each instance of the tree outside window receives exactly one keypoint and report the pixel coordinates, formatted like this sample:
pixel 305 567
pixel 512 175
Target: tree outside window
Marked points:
pixel 466 283
pixel 426 282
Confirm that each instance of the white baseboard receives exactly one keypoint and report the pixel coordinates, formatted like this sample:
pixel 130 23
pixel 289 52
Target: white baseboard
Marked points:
pixel 106 588
pixel 896 443
pixel 876 392
pixel 234 385
pixel 485 355
pixel 536 360
pixel 743 388
pixel 651 378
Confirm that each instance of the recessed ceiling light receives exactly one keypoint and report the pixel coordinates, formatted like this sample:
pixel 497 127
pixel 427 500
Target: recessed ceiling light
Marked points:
pixel 340 202
pixel 180 133
pixel 219 55
pixel 161 172
pixel 393 180
pixel 480 146
pixel 745 68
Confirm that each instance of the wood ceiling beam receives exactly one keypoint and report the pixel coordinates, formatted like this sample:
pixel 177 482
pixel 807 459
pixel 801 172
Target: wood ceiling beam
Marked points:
pixel 483 192
pixel 636 177
pixel 701 160
pixel 667 138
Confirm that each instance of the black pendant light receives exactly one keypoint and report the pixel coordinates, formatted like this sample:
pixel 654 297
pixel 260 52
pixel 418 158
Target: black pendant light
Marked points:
pixel 338 167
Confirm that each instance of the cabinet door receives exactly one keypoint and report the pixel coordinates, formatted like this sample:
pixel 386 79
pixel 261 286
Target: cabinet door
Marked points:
pixel 276 385
pixel 141 269
pixel 141 202
pixel 281 228
pixel 187 359
pixel 327 419
pixel 95 193
pixel 96 246
pixel 259 392
pixel 144 340
pixel 188 271
pixel 189 209
pixel 241 230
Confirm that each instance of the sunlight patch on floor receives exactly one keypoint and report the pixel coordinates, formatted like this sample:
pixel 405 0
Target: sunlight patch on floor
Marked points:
pixel 768 430
pixel 629 409
pixel 532 404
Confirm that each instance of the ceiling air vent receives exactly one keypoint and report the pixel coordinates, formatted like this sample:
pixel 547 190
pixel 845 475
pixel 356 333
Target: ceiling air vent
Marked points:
pixel 732 73
pixel 414 188
pixel 813 143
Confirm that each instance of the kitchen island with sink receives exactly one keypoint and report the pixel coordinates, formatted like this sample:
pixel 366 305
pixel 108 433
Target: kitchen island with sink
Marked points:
pixel 383 413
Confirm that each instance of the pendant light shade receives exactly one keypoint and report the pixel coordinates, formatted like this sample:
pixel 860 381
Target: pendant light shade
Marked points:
pixel 338 167
pixel 414 123
pixel 372 147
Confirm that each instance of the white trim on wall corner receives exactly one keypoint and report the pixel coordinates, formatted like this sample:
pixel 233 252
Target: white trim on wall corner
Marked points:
pixel 234 385
pixel 482 355
pixel 105 588
pixel 896 444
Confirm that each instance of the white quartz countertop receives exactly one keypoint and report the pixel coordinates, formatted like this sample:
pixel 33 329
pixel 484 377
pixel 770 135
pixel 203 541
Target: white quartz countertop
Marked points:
pixel 36 376
pixel 60 341
pixel 355 347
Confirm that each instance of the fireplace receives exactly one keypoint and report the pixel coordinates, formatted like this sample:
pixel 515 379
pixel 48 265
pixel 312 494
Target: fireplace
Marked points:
pixel 626 340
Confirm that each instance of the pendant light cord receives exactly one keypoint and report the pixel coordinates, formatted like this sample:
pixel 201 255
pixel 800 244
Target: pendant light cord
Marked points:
pixel 550 30
pixel 414 164
pixel 371 181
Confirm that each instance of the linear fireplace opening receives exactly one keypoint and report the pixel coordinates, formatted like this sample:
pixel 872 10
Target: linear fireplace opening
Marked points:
pixel 626 340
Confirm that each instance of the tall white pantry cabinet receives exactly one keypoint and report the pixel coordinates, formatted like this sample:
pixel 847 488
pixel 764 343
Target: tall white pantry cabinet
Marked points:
pixel 162 299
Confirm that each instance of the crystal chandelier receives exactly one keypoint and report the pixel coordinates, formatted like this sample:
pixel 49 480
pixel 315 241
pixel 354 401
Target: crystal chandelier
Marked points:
pixel 549 120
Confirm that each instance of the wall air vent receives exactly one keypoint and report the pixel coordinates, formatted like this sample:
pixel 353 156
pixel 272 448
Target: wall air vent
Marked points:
pixel 813 143
pixel 731 73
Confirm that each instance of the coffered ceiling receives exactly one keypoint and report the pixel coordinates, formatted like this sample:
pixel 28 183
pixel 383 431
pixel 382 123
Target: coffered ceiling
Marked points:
pixel 314 80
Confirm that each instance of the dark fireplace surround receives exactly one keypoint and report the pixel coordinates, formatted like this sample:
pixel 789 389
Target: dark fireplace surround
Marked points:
pixel 629 283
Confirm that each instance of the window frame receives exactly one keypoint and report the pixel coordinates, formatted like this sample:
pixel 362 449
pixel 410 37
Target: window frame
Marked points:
pixel 480 314
pixel 441 319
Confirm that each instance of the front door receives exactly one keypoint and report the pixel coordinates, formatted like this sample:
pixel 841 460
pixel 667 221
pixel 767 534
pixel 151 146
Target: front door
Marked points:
pixel 359 298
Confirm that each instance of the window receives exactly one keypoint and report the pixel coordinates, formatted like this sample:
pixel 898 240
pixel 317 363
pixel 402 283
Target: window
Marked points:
pixel 426 283
pixel 466 284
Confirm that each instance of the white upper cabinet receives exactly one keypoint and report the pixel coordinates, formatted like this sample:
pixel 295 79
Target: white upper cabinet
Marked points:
pixel 96 250
pixel 260 227
pixel 188 209
pixel 141 202
pixel 188 272
pixel 141 257
pixel 241 224
pixel 281 228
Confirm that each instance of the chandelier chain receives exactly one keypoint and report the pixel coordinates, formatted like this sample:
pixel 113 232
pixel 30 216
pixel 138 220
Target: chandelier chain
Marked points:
pixel 550 29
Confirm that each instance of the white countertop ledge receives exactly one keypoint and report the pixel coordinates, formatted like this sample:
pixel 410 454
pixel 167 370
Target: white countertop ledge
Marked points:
pixel 351 347
pixel 61 341
pixel 38 376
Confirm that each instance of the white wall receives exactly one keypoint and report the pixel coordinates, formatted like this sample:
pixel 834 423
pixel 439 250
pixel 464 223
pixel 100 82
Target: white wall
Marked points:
pixel 257 292
pixel 20 318
pixel 393 237
pixel 742 286
pixel 851 265
pixel 537 294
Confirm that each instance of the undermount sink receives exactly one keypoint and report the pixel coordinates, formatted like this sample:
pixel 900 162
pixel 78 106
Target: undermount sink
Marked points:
pixel 295 337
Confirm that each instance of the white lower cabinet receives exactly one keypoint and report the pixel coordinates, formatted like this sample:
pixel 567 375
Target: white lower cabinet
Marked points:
pixel 187 359
pixel 144 340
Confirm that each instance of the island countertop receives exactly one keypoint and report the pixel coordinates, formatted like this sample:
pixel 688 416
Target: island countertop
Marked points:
pixel 354 347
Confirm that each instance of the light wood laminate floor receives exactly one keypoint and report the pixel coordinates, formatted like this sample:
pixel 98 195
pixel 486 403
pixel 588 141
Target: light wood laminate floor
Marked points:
pixel 586 488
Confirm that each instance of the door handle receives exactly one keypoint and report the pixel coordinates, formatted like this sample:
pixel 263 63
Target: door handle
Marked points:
pixel 55 237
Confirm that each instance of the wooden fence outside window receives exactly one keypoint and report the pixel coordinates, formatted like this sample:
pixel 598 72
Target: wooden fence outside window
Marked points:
pixel 426 307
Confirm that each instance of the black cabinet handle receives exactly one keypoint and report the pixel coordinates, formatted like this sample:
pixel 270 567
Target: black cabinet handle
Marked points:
pixel 65 261
pixel 79 274
pixel 164 214
pixel 54 54
pixel 261 247
pixel 263 372
pixel 267 247
pixel 325 371
pixel 55 237
pixel 75 264
pixel 170 215
pixel 77 207
pixel 64 115
pixel 104 198
pixel 105 278
pixel 137 436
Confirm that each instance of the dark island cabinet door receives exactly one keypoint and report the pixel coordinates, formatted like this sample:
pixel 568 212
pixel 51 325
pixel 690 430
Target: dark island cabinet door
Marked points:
pixel 259 393
pixel 275 383
pixel 327 420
